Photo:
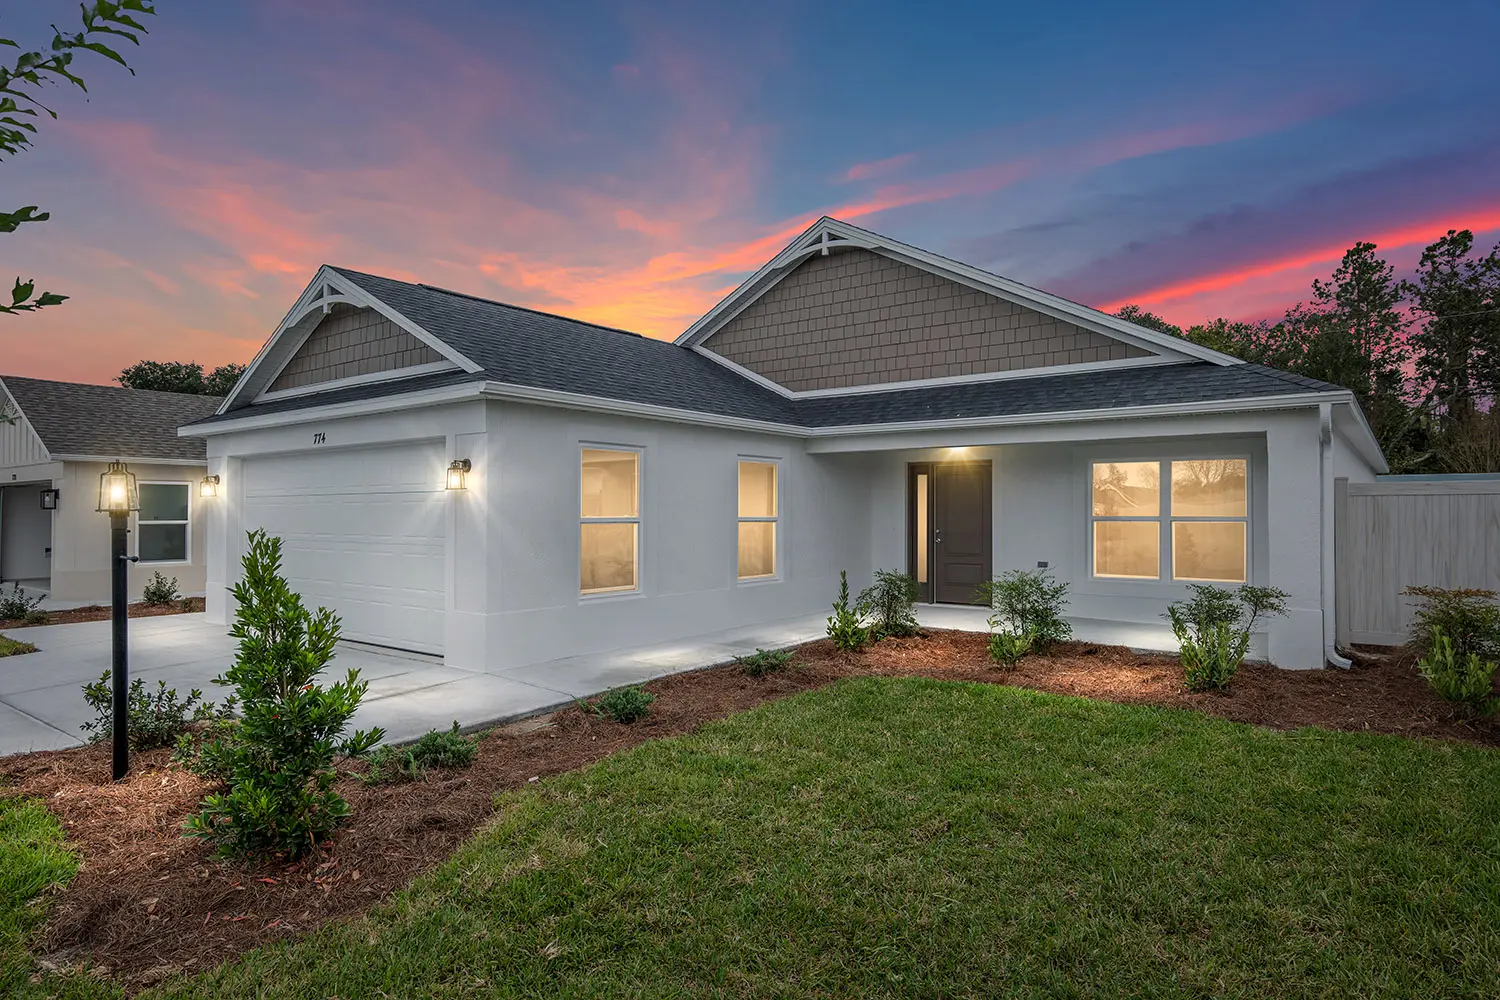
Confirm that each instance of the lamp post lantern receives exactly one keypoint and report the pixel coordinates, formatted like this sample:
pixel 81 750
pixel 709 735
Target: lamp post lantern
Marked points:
pixel 117 498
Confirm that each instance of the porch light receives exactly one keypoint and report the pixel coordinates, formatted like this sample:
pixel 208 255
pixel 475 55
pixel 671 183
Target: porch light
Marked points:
pixel 117 493
pixel 50 498
pixel 209 487
pixel 458 474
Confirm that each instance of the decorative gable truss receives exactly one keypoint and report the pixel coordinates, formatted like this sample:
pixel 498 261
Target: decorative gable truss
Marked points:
pixel 843 310
pixel 339 335
pixel 20 444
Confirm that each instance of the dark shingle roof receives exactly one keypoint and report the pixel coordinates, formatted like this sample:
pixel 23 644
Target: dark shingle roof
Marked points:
pixel 539 350
pixel 104 421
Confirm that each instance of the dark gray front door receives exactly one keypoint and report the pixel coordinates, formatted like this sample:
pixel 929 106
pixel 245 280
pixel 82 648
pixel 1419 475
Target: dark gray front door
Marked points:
pixel 961 530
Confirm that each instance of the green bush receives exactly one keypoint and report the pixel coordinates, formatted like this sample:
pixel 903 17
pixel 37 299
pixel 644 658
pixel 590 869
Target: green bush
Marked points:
pixel 436 749
pixel 1213 628
pixel 16 606
pixel 159 590
pixel 1007 648
pixel 1028 603
pixel 156 718
pixel 279 758
pixel 1469 618
pixel 14 647
pixel 205 749
pixel 764 661
pixel 846 625
pixel 891 602
pixel 1458 676
pixel 626 704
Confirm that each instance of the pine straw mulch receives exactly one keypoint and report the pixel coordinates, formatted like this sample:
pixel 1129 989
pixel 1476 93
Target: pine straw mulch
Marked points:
pixel 147 903
pixel 103 612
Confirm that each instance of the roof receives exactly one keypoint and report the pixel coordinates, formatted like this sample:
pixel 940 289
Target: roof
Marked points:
pixel 103 421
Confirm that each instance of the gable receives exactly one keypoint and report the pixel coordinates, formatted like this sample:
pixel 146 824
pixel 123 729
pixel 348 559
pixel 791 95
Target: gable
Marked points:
pixel 19 442
pixel 854 317
pixel 351 341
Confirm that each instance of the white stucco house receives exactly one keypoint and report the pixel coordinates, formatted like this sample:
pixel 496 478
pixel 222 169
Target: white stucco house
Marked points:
pixel 857 403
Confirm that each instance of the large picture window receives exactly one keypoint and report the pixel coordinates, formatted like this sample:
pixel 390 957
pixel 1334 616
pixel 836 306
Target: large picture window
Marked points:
pixel 162 524
pixel 1192 515
pixel 758 514
pixel 609 521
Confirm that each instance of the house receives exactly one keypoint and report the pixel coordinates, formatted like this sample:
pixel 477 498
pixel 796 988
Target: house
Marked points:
pixel 856 404
pixel 57 441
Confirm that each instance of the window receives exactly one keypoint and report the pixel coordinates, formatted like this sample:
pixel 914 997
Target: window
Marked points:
pixel 162 524
pixel 610 521
pixel 1206 511
pixel 758 513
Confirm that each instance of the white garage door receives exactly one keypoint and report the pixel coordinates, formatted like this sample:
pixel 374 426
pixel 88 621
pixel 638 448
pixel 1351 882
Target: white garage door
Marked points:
pixel 363 533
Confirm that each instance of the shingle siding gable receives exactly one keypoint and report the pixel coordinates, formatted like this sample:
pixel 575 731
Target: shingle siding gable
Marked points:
pixel 350 342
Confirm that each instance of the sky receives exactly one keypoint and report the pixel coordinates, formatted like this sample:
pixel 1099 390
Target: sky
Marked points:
pixel 631 163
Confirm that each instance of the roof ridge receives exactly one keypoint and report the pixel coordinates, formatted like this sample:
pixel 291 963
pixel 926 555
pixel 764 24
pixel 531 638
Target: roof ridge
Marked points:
pixel 116 388
pixel 534 312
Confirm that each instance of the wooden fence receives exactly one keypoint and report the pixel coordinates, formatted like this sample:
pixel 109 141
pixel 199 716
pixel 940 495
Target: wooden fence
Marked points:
pixel 1399 532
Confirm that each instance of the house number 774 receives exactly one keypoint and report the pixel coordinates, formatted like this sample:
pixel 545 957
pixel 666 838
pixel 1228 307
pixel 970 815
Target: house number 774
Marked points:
pixel 318 437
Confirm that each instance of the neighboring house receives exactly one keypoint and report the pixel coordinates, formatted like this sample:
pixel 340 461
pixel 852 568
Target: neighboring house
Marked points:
pixel 856 404
pixel 61 438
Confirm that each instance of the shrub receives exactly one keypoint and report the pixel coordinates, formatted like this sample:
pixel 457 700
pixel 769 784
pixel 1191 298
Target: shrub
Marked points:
pixel 1213 627
pixel 159 590
pixel 1007 648
pixel 846 625
pixel 18 607
pixel 205 749
pixel 156 718
pixel 436 749
pixel 764 661
pixel 14 647
pixel 1028 603
pixel 1469 618
pixel 891 602
pixel 1458 676
pixel 626 704
pixel 279 758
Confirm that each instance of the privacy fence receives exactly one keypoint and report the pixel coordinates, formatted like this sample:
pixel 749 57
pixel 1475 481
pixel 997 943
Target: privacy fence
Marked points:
pixel 1402 532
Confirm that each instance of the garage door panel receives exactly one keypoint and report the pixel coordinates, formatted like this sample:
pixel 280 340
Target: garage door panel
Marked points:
pixel 363 533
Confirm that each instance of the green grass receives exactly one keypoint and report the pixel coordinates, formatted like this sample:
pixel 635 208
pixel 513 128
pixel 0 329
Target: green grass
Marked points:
pixel 32 859
pixel 887 837
pixel 14 647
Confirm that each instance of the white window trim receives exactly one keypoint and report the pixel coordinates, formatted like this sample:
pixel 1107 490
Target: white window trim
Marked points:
pixel 135 534
pixel 755 581
pixel 639 520
pixel 1166 568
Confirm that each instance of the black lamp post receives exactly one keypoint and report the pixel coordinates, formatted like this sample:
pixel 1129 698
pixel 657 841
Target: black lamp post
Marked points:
pixel 117 498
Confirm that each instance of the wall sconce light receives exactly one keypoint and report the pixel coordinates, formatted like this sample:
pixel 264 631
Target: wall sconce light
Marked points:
pixel 458 474
pixel 117 493
pixel 209 487
pixel 49 499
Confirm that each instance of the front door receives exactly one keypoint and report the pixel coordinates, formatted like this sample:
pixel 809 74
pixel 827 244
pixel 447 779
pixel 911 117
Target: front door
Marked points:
pixel 949 529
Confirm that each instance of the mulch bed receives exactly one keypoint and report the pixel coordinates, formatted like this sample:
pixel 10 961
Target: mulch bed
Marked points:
pixel 102 612
pixel 147 903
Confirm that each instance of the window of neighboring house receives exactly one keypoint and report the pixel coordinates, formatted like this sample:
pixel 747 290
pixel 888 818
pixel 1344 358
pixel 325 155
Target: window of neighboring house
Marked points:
pixel 610 521
pixel 1203 518
pixel 758 513
pixel 162 525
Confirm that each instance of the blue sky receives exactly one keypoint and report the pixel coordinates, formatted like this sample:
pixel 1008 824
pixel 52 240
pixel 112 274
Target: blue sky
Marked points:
pixel 630 163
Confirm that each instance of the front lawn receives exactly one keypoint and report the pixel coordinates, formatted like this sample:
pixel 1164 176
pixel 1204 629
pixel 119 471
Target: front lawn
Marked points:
pixel 13 647
pixel 32 860
pixel 912 837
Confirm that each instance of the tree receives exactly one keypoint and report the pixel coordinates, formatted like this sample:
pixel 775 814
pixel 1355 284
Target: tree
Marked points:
pixel 1457 341
pixel 1132 313
pixel 181 376
pixel 19 105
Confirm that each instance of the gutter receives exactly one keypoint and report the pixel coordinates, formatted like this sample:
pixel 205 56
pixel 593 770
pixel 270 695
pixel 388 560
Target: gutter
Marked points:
pixel 1326 565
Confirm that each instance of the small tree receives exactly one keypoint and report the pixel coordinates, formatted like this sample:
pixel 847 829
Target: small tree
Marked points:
pixel 279 759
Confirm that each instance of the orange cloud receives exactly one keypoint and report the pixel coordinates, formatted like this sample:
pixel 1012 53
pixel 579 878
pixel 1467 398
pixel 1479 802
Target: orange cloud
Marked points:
pixel 877 168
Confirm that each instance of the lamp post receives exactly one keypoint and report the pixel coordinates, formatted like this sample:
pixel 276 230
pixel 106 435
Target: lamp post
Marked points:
pixel 117 498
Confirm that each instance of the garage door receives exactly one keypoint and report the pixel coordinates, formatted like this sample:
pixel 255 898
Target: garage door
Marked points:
pixel 364 534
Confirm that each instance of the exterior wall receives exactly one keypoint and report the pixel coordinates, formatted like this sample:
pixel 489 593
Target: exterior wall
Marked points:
pixel 80 535
pixel 349 342
pixel 859 318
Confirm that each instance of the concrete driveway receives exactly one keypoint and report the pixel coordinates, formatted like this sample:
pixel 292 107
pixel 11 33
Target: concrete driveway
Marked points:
pixel 42 706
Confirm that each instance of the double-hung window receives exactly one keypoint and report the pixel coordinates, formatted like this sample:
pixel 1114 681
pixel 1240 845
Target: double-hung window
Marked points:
pixel 162 525
pixel 1182 520
pixel 609 533
pixel 758 513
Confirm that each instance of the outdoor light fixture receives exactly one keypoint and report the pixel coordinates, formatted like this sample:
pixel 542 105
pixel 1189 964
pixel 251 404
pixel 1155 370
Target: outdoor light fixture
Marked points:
pixel 458 474
pixel 209 487
pixel 117 498
pixel 49 499
pixel 117 493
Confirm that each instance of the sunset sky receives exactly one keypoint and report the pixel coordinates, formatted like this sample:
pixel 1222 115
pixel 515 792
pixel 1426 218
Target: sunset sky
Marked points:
pixel 631 163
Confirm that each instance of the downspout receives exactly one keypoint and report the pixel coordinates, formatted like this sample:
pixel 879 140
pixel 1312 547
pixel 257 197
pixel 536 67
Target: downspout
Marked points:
pixel 1325 519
